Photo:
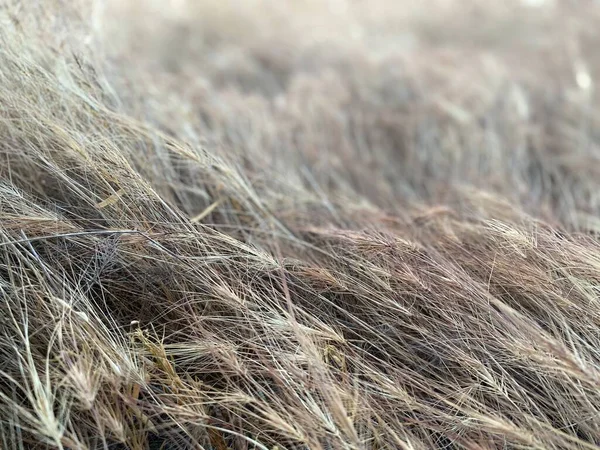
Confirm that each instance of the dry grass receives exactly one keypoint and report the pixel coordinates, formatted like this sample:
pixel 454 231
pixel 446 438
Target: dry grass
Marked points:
pixel 299 225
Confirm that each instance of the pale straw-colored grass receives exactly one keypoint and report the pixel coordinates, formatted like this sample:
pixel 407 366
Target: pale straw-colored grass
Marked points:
pixel 299 225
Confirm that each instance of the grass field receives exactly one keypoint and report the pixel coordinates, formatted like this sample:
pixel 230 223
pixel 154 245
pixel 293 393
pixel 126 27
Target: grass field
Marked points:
pixel 299 224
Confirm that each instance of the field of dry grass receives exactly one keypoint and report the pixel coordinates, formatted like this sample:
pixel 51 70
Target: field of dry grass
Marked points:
pixel 299 224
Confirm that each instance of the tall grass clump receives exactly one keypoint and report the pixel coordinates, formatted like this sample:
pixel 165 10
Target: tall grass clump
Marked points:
pixel 299 225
